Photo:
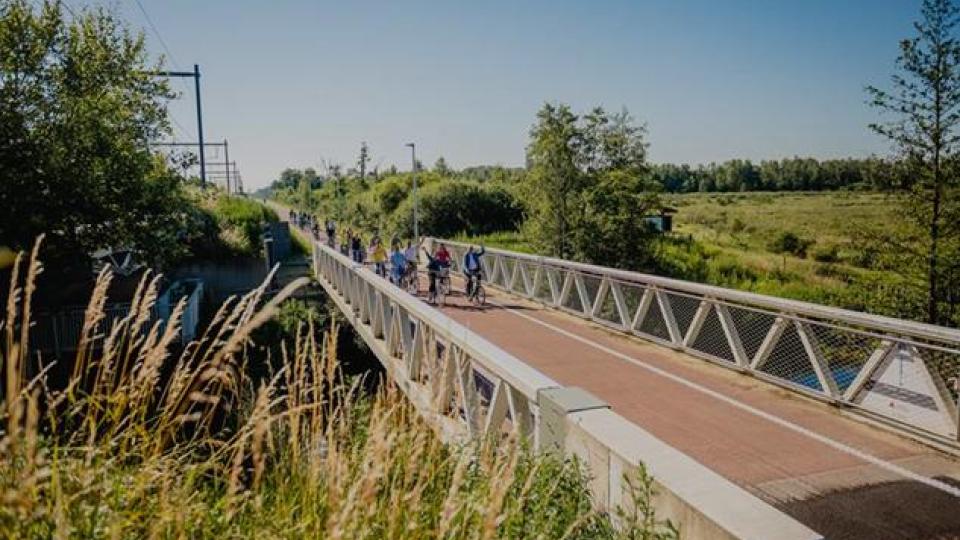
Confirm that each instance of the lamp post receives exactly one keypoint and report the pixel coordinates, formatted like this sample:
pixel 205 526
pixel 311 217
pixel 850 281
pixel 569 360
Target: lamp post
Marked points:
pixel 416 216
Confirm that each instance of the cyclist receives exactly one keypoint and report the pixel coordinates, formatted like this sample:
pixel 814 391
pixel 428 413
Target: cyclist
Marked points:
pixel 443 255
pixel 331 232
pixel 433 269
pixel 472 269
pixel 398 265
pixel 356 248
pixel 378 254
pixel 411 254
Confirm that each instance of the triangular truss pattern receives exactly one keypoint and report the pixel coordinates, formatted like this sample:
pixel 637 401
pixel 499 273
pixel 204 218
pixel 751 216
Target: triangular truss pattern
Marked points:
pixel 437 371
pixel 838 360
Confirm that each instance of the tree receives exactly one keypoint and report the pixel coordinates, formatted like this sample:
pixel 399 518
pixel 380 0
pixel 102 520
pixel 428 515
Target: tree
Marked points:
pixel 363 160
pixel 555 181
pixel 589 187
pixel 441 168
pixel 78 108
pixel 924 103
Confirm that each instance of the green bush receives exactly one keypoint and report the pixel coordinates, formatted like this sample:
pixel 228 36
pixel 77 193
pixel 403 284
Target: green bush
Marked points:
pixel 826 254
pixel 458 207
pixel 242 220
pixel 789 243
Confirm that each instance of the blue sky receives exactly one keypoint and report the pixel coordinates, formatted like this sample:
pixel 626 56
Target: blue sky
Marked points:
pixel 290 83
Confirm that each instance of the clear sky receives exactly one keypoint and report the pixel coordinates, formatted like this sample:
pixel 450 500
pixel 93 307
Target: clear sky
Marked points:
pixel 292 82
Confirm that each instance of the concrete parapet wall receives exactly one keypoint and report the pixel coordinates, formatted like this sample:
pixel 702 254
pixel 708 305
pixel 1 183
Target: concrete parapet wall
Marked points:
pixel 701 502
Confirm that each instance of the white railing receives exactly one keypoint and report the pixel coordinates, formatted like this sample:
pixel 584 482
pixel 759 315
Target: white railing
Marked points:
pixel 463 383
pixel 60 331
pixel 902 372
pixel 464 386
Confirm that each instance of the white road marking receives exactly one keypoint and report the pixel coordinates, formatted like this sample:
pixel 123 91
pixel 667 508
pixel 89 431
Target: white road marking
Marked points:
pixel 837 445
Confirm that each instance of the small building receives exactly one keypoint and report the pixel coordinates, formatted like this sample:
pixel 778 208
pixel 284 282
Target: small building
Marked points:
pixel 661 222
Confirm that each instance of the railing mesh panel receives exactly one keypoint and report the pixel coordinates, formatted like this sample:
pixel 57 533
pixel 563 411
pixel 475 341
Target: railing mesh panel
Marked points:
pixel 845 351
pixel 608 309
pixel 653 323
pixel 684 310
pixel 946 366
pixel 506 271
pixel 487 263
pixel 592 285
pixel 788 360
pixel 752 326
pixel 542 291
pixel 572 301
pixel 632 297
pixel 712 339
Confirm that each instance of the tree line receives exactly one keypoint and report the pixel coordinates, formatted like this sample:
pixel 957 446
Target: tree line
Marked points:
pixel 788 174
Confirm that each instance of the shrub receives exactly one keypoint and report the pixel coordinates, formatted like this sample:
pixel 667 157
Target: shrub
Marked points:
pixel 789 243
pixel 826 254
pixel 457 207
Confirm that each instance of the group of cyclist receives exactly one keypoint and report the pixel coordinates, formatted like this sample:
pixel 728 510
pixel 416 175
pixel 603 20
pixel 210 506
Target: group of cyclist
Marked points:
pixel 401 259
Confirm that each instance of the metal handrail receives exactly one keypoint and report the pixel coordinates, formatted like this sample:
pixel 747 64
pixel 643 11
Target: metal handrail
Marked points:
pixel 905 373
pixel 773 303
pixel 435 358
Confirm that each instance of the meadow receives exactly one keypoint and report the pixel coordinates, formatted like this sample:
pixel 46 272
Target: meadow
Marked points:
pixel 811 246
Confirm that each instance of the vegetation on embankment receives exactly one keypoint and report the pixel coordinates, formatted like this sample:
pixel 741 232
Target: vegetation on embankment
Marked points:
pixel 144 440
pixel 805 246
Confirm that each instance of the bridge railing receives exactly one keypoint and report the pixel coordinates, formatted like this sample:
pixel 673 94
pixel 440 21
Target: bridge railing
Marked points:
pixel 464 386
pixel 462 383
pixel 901 372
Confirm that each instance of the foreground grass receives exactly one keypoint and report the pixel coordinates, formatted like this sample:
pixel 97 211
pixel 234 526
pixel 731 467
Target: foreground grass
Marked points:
pixel 145 441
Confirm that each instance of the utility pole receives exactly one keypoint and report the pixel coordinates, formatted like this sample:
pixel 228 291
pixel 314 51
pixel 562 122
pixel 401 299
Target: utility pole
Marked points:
pixel 226 159
pixel 196 87
pixel 203 160
pixel 416 216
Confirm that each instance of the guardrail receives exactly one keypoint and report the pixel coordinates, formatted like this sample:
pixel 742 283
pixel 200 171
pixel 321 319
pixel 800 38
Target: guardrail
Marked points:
pixel 464 386
pixel 903 373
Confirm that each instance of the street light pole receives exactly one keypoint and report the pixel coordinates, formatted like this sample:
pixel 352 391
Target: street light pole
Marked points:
pixel 416 216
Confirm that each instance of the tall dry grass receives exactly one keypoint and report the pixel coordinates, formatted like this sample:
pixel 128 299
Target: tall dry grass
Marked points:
pixel 148 441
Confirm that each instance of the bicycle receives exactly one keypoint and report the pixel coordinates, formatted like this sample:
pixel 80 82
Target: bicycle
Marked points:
pixel 410 281
pixel 439 294
pixel 443 281
pixel 475 291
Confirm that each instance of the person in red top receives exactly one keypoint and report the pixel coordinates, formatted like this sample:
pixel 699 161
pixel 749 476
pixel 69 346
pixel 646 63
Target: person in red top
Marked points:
pixel 443 256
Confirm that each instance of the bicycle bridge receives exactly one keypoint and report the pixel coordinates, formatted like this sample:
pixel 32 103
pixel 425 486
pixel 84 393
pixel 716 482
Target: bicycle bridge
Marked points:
pixel 758 417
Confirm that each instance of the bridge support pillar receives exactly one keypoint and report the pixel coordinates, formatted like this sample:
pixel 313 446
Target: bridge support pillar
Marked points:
pixel 555 405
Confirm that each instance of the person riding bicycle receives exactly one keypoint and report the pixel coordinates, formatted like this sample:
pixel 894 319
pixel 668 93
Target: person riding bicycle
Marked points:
pixel 331 231
pixel 356 248
pixel 433 270
pixel 443 255
pixel 378 254
pixel 472 268
pixel 398 265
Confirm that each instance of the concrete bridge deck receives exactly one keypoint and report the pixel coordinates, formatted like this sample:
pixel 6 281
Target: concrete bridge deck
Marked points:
pixel 839 476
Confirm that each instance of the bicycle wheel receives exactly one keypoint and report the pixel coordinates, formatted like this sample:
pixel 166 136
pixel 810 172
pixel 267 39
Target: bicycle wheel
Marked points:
pixel 413 287
pixel 480 296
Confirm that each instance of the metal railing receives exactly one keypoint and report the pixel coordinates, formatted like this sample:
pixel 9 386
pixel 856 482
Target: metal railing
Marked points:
pixel 60 331
pixel 462 384
pixel 901 372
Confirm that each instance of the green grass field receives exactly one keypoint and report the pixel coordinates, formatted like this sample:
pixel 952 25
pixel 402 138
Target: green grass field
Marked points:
pixel 725 239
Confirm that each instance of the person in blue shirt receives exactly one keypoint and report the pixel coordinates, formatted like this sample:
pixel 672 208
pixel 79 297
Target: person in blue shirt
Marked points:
pixel 472 269
pixel 398 264
pixel 433 270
